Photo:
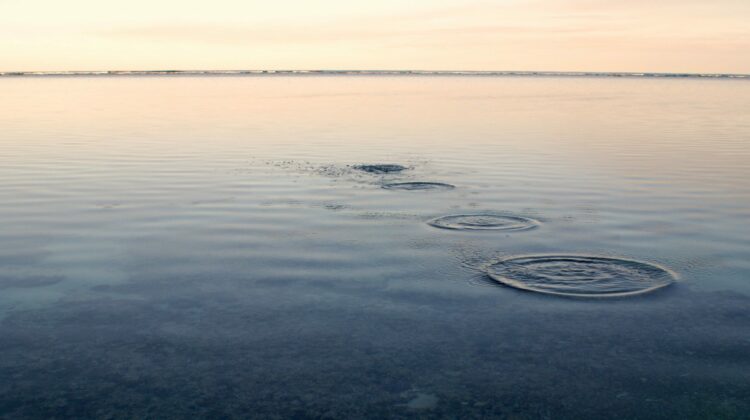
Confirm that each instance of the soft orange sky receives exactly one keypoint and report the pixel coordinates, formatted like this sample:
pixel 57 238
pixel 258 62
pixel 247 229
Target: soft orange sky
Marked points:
pixel 566 35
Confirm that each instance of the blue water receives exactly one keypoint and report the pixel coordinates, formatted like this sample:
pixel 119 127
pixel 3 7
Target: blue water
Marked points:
pixel 206 246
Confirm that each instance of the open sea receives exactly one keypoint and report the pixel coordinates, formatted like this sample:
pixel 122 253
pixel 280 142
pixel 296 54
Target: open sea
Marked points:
pixel 227 246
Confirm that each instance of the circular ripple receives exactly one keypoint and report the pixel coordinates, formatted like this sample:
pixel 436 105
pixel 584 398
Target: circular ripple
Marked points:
pixel 484 222
pixel 385 168
pixel 413 186
pixel 580 275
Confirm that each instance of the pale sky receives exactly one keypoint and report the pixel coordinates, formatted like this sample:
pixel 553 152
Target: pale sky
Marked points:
pixel 555 35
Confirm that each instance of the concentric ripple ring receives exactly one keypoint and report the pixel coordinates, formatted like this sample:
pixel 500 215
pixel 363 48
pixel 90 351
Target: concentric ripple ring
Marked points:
pixel 416 186
pixel 580 275
pixel 485 221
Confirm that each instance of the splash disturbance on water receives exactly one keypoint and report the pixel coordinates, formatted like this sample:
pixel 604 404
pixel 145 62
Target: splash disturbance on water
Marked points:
pixel 385 168
pixel 484 222
pixel 580 275
pixel 414 186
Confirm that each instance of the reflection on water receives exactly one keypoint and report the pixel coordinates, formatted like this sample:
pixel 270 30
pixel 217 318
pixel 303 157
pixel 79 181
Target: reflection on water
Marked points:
pixel 209 247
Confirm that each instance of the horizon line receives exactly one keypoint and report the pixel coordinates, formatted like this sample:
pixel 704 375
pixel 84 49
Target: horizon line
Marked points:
pixel 282 72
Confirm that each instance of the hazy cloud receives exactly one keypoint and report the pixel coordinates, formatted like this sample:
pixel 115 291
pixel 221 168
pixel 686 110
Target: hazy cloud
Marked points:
pixel 635 35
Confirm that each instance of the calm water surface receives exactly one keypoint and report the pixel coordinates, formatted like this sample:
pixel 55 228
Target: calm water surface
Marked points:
pixel 203 246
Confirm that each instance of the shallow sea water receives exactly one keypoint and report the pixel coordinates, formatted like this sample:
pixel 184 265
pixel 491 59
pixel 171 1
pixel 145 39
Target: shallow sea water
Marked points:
pixel 205 246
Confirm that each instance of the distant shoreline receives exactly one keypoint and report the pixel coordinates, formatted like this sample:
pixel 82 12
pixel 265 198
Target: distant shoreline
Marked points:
pixel 371 73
